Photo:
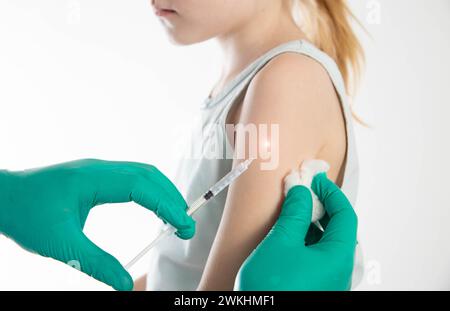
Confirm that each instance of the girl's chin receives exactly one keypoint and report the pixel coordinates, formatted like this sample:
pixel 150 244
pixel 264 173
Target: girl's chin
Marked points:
pixel 178 39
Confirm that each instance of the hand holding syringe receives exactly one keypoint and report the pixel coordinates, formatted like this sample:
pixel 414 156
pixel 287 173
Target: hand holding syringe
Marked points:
pixel 212 192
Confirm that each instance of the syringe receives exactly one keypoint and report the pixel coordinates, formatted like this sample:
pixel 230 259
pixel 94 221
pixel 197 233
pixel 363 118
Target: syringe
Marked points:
pixel 212 192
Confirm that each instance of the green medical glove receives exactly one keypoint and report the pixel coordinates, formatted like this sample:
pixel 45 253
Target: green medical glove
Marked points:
pixel 282 261
pixel 44 210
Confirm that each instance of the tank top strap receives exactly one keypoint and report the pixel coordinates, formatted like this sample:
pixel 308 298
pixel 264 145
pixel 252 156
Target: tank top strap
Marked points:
pixel 235 87
pixel 302 47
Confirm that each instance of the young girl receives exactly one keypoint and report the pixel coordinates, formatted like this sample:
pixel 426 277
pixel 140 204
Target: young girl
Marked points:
pixel 286 63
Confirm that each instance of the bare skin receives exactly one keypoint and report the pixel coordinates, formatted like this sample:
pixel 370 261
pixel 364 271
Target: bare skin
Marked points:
pixel 293 91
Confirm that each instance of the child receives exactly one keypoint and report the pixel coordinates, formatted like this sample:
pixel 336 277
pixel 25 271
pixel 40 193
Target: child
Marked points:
pixel 286 70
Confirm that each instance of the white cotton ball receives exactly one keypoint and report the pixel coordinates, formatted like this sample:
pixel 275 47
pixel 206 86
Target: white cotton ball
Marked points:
pixel 291 180
pixel 304 177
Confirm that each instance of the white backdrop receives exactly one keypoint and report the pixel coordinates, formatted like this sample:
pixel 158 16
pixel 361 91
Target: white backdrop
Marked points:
pixel 99 79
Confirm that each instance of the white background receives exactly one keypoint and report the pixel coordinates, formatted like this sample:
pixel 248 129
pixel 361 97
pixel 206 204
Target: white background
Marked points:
pixel 99 78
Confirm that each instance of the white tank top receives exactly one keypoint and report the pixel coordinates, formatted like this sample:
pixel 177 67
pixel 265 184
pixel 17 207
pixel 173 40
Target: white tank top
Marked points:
pixel 177 264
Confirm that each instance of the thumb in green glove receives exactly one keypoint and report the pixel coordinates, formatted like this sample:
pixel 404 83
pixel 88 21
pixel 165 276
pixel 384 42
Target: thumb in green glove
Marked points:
pixel 283 261
pixel 44 210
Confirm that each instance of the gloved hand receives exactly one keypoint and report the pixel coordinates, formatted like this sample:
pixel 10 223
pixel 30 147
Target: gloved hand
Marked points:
pixel 44 210
pixel 282 261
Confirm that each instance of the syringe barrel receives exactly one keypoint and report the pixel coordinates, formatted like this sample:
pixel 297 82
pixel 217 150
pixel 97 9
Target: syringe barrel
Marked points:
pixel 230 177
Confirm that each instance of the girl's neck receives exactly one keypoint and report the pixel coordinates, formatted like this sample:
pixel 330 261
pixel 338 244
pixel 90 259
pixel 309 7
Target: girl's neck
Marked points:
pixel 249 41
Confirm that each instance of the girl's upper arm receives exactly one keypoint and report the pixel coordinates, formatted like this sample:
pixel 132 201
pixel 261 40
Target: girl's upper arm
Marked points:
pixel 292 92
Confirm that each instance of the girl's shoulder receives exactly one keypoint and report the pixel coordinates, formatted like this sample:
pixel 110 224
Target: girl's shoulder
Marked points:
pixel 296 93
pixel 293 84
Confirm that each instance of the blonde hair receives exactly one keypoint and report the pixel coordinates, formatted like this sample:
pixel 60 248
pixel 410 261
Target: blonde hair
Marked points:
pixel 327 24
